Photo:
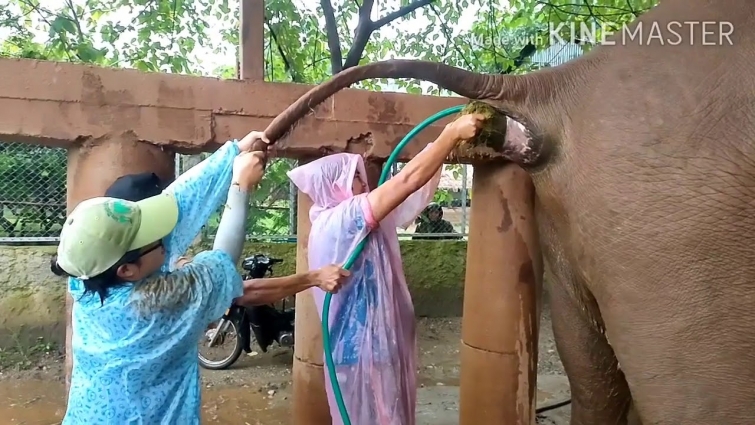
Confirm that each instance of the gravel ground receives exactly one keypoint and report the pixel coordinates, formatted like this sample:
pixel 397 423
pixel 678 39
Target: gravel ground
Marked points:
pixel 258 385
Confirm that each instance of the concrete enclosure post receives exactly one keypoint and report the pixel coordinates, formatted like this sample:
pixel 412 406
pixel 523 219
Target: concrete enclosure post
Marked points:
pixel 501 295
pixel 92 168
pixel 310 402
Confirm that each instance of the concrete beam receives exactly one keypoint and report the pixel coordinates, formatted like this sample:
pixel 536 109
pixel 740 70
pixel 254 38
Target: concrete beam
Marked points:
pixel 60 104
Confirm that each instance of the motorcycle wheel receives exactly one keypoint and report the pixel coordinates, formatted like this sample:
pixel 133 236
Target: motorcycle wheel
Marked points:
pixel 223 363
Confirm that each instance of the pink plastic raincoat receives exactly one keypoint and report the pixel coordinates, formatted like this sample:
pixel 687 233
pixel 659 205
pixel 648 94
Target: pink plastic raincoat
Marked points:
pixel 372 325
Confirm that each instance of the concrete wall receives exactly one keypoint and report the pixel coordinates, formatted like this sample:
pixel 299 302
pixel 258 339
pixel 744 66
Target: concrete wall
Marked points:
pixel 32 299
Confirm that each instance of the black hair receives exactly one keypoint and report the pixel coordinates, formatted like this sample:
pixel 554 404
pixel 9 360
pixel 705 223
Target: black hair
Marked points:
pixel 103 282
pixel 136 187
pixel 434 207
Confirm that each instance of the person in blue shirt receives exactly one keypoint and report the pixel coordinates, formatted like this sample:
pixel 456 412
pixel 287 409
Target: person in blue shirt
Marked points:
pixel 136 317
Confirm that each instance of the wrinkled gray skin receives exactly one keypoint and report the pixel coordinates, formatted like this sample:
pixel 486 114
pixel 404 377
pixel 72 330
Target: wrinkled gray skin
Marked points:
pixel 645 181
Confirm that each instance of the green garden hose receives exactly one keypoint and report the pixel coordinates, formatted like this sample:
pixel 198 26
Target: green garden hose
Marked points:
pixel 358 251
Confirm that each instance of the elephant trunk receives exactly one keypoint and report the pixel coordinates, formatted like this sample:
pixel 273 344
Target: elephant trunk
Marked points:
pixel 520 96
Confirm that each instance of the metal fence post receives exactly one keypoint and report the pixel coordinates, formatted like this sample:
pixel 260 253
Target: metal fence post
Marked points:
pixel 464 199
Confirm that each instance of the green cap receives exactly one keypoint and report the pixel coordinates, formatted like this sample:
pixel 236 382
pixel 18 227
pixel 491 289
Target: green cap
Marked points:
pixel 100 231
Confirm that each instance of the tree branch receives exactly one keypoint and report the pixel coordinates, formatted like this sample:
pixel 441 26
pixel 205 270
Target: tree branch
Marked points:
pixel 361 35
pixel 173 29
pixel 450 39
pixel 366 27
pixel 400 13
pixel 615 10
pixel 286 64
pixel 61 37
pixel 76 22
pixel 331 31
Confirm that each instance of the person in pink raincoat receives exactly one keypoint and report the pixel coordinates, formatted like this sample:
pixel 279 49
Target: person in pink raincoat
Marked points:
pixel 372 324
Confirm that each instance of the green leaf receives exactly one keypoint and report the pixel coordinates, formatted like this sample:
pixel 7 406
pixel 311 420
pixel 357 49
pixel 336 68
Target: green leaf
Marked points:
pixel 62 24
pixel 414 89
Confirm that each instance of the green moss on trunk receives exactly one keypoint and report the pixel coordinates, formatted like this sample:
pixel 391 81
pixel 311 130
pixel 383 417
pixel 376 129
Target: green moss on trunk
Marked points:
pixel 493 131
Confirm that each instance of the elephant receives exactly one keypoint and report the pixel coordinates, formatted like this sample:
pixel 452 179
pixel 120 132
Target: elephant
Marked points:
pixel 643 160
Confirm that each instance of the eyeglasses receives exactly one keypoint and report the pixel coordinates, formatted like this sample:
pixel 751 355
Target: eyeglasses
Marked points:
pixel 158 245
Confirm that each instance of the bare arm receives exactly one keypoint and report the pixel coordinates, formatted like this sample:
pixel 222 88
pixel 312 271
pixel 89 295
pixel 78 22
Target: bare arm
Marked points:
pixel 421 168
pixel 270 290
pixel 412 177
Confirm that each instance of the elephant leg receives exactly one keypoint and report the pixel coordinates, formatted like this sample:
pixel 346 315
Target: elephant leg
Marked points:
pixel 678 373
pixel 599 391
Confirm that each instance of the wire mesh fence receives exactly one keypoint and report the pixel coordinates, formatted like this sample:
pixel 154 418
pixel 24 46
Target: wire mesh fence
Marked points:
pixel 273 213
pixel 32 192
pixel 33 195
pixel 33 199
pixel 446 217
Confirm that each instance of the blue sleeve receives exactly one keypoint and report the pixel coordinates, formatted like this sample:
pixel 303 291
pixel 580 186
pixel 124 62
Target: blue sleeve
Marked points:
pixel 199 192
pixel 220 283
pixel 75 287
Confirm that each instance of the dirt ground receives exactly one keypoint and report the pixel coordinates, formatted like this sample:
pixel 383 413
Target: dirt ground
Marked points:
pixel 256 390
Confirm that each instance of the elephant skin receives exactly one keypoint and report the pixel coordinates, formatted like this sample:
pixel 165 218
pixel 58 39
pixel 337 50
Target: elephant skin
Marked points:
pixel 643 160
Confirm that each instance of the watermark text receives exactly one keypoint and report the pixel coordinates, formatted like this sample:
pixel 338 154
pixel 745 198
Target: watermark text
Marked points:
pixel 673 33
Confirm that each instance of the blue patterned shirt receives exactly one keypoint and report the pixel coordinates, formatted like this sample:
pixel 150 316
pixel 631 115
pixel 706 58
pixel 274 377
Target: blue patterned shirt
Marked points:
pixel 131 368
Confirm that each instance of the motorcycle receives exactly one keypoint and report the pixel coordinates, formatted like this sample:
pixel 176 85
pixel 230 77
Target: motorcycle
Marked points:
pixel 265 323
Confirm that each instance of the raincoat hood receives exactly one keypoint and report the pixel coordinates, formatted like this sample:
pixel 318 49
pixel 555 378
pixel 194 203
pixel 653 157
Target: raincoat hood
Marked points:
pixel 328 181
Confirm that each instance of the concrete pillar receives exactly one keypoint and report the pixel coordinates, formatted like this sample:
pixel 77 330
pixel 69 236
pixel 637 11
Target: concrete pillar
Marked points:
pixel 501 295
pixel 310 400
pixel 252 40
pixel 373 168
pixel 310 404
pixel 92 168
